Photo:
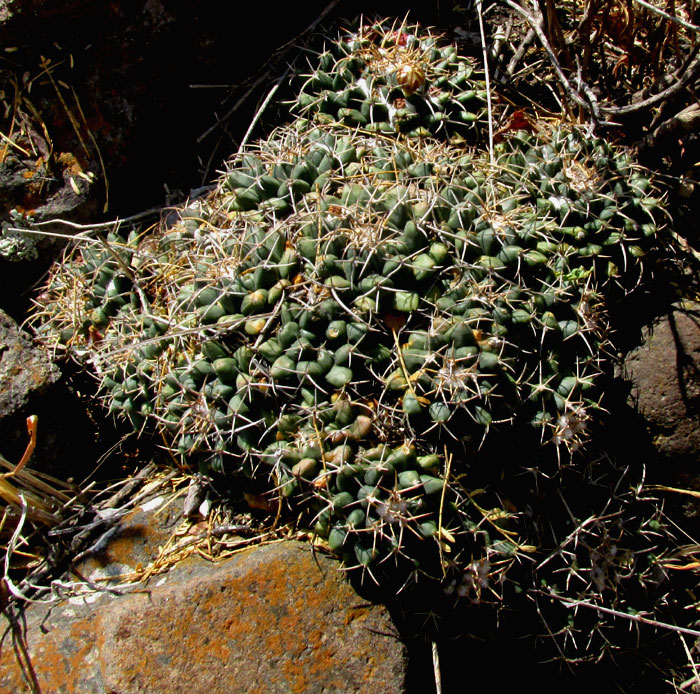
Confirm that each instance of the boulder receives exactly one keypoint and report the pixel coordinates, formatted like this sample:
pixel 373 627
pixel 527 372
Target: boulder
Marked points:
pixel 664 374
pixel 273 619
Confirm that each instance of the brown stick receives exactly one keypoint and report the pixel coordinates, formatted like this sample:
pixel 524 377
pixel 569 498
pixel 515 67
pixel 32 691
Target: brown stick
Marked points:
pixel 570 91
pixel 687 78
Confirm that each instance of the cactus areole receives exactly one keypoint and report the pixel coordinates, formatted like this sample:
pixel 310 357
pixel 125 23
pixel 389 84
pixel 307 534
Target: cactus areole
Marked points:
pixel 366 295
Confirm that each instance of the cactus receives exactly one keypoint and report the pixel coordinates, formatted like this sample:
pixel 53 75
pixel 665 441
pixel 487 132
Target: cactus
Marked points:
pixel 357 301
pixel 397 80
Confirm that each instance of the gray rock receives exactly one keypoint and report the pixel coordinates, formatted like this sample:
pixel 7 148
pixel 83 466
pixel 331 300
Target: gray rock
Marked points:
pixel 664 373
pixel 25 370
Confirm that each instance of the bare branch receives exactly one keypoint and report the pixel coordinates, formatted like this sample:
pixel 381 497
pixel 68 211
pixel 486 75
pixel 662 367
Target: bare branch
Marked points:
pixel 570 91
pixel 689 76
pixel 665 15
pixel 638 618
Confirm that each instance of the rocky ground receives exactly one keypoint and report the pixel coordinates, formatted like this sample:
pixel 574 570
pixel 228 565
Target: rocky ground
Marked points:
pixel 127 107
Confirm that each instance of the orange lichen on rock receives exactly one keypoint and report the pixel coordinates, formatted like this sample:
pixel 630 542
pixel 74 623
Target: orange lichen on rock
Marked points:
pixel 271 620
pixel 59 660
pixel 69 163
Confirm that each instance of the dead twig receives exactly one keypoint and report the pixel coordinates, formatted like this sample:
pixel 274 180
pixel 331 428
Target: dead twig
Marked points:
pixel 688 77
pixel 632 617
pixel 665 15
pixel 520 52
pixel 436 664
pixel 571 93
pixel 486 77
pixel 260 111
pixel 685 121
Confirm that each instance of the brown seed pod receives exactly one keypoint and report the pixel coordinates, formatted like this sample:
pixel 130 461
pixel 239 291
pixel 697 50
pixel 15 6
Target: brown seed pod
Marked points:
pixel 410 77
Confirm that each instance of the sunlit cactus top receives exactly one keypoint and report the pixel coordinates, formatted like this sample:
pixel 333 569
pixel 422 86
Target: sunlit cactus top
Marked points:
pixel 396 78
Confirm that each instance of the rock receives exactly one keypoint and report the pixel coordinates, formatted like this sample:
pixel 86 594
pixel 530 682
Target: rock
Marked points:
pixel 665 382
pixel 67 444
pixel 275 619
pixel 132 541
pixel 25 370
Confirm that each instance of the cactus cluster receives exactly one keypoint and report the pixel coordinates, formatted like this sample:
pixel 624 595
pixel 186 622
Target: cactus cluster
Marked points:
pixel 396 81
pixel 361 300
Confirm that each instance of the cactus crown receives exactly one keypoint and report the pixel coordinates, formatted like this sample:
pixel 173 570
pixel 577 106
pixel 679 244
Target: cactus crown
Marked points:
pixel 395 80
